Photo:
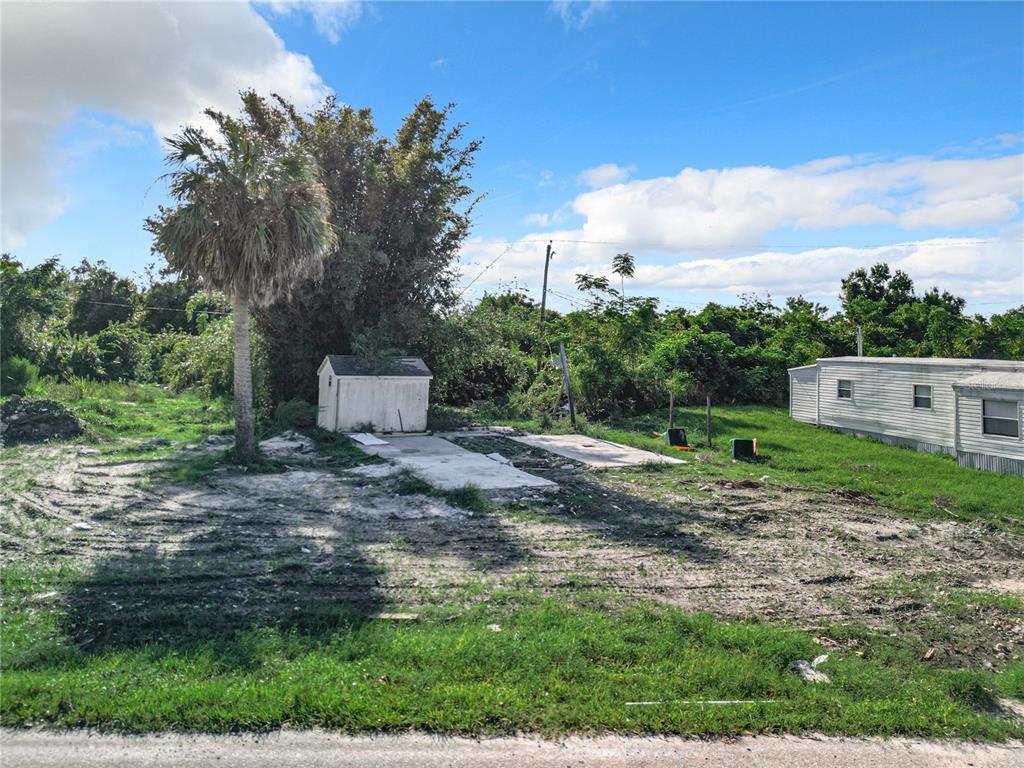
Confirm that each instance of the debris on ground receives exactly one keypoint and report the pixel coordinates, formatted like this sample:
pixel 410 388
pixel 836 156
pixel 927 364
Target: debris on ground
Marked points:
pixel 928 655
pixel 851 495
pixel 365 438
pixel 499 458
pixel 494 627
pixel 739 483
pixel 156 442
pixel 288 445
pixel 809 670
pixel 36 421
pixel 396 616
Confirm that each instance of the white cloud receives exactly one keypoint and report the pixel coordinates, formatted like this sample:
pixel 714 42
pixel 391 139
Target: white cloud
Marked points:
pixel 151 63
pixel 604 175
pixel 577 14
pixel 980 269
pixel 733 209
pixel 986 269
pixel 331 17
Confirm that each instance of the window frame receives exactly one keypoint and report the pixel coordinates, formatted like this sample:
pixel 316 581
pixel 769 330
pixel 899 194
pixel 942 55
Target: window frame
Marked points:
pixel 914 397
pixel 1014 421
pixel 839 389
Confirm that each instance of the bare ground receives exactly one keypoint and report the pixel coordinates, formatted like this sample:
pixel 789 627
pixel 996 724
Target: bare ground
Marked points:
pixel 317 749
pixel 250 548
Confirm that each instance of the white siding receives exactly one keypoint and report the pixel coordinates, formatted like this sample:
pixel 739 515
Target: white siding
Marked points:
pixel 803 394
pixel 375 402
pixel 973 439
pixel 325 405
pixel 883 400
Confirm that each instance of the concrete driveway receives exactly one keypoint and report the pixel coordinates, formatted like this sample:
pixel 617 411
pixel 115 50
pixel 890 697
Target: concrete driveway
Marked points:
pixel 446 465
pixel 315 749
pixel 594 452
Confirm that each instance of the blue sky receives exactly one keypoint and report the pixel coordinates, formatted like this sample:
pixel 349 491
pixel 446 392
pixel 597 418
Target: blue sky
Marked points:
pixel 731 147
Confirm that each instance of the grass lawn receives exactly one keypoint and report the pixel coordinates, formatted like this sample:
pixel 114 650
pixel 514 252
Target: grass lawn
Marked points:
pixel 247 623
pixel 515 664
pixel 919 484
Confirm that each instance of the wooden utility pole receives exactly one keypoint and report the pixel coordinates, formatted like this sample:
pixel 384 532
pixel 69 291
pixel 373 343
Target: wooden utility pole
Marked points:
pixel 544 303
pixel 564 363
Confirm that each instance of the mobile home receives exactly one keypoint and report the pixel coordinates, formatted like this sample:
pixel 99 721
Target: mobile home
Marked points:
pixel 971 409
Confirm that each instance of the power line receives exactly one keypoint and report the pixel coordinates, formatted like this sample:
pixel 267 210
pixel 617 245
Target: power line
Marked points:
pixel 482 271
pixel 165 309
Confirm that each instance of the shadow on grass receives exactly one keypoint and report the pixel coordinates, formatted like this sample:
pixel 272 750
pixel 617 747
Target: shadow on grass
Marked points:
pixel 624 518
pixel 204 567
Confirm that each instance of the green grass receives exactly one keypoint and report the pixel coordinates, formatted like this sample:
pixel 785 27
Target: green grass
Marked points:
pixel 798 454
pixel 467 497
pixel 112 411
pixel 550 669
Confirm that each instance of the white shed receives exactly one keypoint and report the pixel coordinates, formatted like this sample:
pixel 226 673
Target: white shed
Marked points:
pixel 393 399
pixel 939 405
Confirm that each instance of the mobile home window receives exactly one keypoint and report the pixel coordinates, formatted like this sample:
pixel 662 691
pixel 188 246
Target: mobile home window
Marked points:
pixel 845 390
pixel 999 417
pixel 922 396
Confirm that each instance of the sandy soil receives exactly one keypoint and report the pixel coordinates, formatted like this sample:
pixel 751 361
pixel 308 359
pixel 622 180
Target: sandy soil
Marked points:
pixel 316 749
pixel 260 546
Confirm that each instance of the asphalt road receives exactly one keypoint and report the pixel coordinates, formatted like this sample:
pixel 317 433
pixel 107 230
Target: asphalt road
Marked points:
pixel 314 749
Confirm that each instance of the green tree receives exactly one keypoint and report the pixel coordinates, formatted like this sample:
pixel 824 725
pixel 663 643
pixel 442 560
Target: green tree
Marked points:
pixel 252 217
pixel 99 297
pixel 624 266
pixel 401 206
pixel 29 298
pixel 702 362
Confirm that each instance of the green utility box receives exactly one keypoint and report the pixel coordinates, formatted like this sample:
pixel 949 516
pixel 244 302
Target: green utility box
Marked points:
pixel 743 449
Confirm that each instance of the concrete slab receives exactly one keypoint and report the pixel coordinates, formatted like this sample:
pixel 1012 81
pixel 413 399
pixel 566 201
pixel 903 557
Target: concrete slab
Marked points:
pixel 594 452
pixel 445 465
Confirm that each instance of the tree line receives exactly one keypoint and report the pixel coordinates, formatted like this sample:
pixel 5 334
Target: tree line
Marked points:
pixel 339 239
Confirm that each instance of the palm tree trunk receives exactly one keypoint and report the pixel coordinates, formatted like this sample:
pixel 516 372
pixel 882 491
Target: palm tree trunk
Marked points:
pixel 244 428
pixel 708 397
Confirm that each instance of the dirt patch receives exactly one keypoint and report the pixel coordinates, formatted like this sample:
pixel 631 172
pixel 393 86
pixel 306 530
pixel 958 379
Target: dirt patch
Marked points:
pixel 244 548
pixel 289 446
pixel 851 495
pixel 36 421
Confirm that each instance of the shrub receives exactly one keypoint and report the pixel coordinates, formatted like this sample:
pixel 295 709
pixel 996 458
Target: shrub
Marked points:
pixel 295 414
pixel 206 362
pixel 83 359
pixel 17 375
pixel 123 352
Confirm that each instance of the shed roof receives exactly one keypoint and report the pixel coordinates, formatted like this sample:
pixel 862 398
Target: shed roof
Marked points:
pixel 349 365
pixel 1004 380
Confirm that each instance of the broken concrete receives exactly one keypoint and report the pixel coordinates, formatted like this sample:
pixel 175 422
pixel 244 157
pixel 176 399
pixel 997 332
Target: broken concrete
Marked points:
pixel 593 452
pixel 446 466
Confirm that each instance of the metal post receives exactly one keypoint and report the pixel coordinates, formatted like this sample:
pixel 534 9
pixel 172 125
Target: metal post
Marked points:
pixel 671 409
pixel 568 382
pixel 860 342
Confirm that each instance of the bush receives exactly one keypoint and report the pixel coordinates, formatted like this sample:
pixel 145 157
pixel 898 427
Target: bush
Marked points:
pixel 17 375
pixel 295 414
pixel 206 362
pixel 123 352
pixel 83 359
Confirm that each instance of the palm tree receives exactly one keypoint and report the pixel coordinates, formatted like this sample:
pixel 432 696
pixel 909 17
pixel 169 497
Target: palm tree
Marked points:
pixel 252 218
pixel 623 266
